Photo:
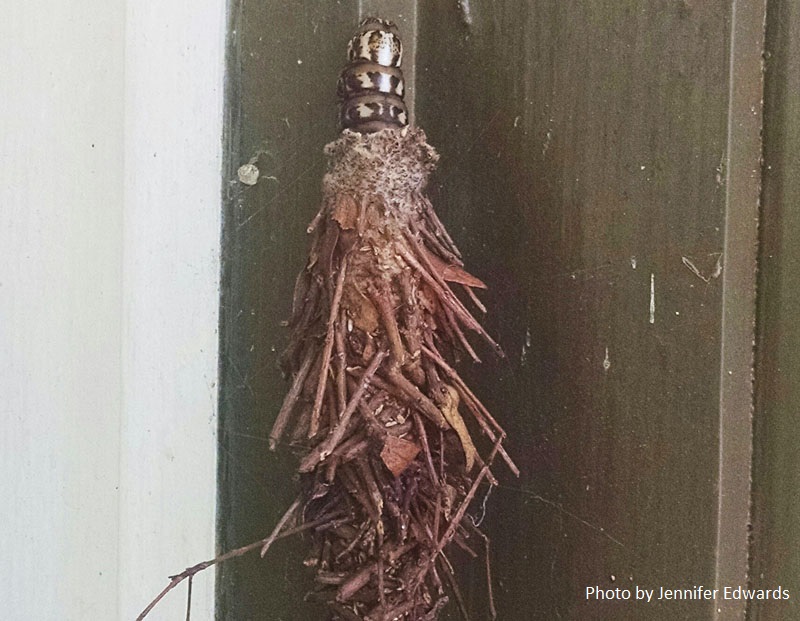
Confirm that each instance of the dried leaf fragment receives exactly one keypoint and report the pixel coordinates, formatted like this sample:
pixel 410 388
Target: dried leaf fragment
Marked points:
pixel 361 310
pixel 449 408
pixel 454 273
pixel 397 453
pixel 345 212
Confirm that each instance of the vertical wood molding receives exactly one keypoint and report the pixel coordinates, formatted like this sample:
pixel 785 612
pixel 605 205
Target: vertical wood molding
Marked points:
pixel 743 166
pixel 775 559
pixel 173 121
pixel 173 129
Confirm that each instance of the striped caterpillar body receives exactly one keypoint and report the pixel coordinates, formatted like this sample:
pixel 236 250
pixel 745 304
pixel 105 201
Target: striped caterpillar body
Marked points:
pixel 371 85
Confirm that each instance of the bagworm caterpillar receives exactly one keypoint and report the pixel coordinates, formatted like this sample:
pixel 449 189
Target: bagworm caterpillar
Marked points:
pixel 382 423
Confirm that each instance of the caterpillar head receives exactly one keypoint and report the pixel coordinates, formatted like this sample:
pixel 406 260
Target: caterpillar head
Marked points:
pixel 378 41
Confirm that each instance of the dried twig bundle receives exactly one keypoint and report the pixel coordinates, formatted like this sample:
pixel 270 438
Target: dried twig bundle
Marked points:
pixel 375 411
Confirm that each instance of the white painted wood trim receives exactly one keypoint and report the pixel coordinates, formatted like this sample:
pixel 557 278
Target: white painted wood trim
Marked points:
pixel 60 307
pixel 110 145
pixel 174 61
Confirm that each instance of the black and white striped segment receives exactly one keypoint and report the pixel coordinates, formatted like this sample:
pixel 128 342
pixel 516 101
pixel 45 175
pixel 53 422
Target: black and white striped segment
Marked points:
pixel 371 85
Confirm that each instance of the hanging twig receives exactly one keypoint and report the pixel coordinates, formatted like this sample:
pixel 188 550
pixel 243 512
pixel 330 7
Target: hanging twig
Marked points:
pixel 451 579
pixel 459 515
pixel 327 349
pixel 288 403
pixel 189 599
pixel 279 526
pixel 195 569
pixel 487 556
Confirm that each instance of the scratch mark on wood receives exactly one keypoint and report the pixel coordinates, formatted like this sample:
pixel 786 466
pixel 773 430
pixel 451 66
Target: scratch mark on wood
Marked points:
pixel 548 139
pixel 525 347
pixel 466 13
pixel 652 298
pixel 715 272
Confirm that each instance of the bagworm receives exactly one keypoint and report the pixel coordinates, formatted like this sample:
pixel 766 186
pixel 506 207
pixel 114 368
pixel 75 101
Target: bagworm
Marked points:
pixel 381 422
pixel 384 427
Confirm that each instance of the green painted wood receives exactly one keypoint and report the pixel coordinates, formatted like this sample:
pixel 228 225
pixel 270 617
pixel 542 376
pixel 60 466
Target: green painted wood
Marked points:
pixel 284 60
pixel 776 502
pixel 583 153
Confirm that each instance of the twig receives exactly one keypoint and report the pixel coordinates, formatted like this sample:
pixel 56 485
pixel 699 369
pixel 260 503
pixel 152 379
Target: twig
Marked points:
pixel 447 296
pixel 313 426
pixel 467 499
pixel 433 218
pixel 358 490
pixel 288 403
pixel 451 372
pixel 195 569
pixel 276 531
pixel 412 393
pixel 460 334
pixel 437 246
pixel 341 364
pixel 474 298
pixel 412 330
pixel 426 449
pixel 381 297
pixel 355 583
pixel 189 600
pixel 331 405
pixel 489 585
pixel 327 446
pixel 451 579
pixel 300 319
pixel 348 451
